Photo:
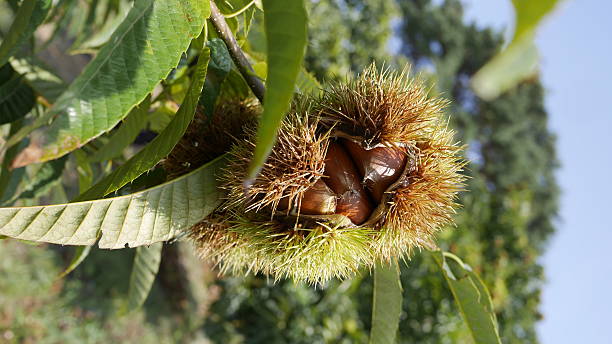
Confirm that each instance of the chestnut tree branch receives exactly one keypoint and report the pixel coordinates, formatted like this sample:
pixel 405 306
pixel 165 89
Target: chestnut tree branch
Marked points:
pixel 240 60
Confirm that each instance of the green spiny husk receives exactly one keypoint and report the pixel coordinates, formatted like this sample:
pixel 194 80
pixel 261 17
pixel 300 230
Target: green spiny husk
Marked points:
pixel 249 234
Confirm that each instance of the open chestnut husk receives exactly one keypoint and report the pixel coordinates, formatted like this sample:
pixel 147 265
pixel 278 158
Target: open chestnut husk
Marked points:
pixel 366 171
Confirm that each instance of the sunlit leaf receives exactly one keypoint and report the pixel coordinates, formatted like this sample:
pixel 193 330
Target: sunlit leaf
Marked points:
pixel 529 14
pixel 285 25
pixel 43 81
pixel 386 303
pixel 140 53
pixel 161 146
pixel 30 14
pixel 471 296
pixel 519 60
pixel 146 265
pixel 142 218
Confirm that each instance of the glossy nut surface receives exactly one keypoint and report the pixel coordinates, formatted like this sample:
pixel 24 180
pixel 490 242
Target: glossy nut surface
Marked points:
pixel 343 179
pixel 379 167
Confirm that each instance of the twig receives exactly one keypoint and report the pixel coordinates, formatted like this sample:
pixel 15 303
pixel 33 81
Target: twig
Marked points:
pixel 236 53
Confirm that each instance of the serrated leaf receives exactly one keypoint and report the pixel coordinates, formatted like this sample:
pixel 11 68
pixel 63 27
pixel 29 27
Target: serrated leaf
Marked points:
pixel 519 60
pixel 30 14
pixel 471 296
pixel 135 121
pixel 142 218
pixel 161 145
pixel 16 97
pixel 146 265
pixel 386 303
pixel 141 52
pixel 285 24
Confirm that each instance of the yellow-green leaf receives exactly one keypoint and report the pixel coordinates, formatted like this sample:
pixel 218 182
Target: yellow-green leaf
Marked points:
pixel 519 60
pixel 471 296
pixel 386 303
pixel 30 14
pixel 146 265
pixel 162 145
pixel 143 50
pixel 135 121
pixel 285 24
pixel 142 218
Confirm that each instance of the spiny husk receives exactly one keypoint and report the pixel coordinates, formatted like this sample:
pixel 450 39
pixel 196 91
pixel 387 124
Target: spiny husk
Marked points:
pixel 245 244
pixel 294 165
pixel 208 137
pixel 427 203
pixel 247 234
pixel 382 108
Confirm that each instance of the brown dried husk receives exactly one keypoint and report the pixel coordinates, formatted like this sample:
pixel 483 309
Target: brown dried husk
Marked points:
pixel 248 234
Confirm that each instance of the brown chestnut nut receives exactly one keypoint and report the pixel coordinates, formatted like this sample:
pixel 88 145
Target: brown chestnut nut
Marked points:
pixel 379 167
pixel 343 178
pixel 318 200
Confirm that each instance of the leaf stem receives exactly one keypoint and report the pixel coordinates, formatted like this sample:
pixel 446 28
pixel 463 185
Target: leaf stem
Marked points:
pixel 241 61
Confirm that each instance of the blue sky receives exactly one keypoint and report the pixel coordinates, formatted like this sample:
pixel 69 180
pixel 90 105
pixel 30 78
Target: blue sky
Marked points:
pixel 575 45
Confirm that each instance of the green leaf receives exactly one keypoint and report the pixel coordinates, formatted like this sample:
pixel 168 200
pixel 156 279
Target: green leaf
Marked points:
pixel 232 8
pixel 234 87
pixel 142 218
pixel 6 173
pixel 146 265
pixel 219 66
pixel 80 254
pixel 101 33
pixel 45 178
pixel 161 145
pixel 529 14
pixel 386 303
pixel 141 52
pixel 307 83
pixel 30 14
pixel 286 36
pixel 14 177
pixel 16 97
pixel 84 171
pixel 135 121
pixel 519 60
pixel 471 296
pixel 43 81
